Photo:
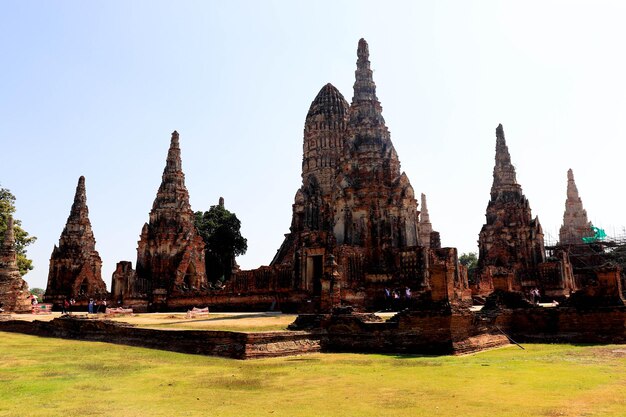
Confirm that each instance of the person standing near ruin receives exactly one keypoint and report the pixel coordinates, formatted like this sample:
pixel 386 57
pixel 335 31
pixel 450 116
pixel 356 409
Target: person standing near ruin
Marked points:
pixel 396 300
pixel 65 306
pixel 407 296
pixel 90 306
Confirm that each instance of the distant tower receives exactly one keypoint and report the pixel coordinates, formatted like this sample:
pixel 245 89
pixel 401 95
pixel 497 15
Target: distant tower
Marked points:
pixel 13 289
pixel 75 265
pixel 510 241
pixel 427 237
pixel 170 253
pixel 575 224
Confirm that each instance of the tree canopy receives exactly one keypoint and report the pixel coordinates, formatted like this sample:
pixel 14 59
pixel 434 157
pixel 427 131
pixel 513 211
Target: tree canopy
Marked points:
pixel 22 238
pixel 470 260
pixel 221 231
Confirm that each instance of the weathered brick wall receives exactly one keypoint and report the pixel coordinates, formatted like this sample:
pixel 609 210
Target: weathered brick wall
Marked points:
pixel 566 325
pixel 215 343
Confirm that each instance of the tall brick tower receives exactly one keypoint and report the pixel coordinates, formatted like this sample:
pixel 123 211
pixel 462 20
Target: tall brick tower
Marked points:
pixel 511 241
pixel 170 253
pixel 75 264
pixel 575 223
pixel 375 206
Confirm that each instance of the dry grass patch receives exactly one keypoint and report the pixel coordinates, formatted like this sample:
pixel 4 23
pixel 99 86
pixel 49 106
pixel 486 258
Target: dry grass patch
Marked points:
pixel 43 377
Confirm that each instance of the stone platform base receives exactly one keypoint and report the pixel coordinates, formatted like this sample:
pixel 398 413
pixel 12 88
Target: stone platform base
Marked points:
pixel 234 345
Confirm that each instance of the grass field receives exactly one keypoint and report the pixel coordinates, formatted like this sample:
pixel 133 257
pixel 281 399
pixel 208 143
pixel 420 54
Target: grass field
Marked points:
pixel 54 377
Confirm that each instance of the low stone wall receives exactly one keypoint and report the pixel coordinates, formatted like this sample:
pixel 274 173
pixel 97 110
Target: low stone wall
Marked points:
pixel 566 325
pixel 414 332
pixel 410 332
pixel 224 301
pixel 459 332
pixel 234 345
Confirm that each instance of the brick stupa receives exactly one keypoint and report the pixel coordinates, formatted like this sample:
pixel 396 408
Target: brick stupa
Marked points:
pixel 13 289
pixel 75 265
pixel 575 223
pixel 511 241
pixel 170 253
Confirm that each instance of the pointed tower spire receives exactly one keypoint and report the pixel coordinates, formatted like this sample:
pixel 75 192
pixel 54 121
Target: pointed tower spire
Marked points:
pixel 173 163
pixel 78 225
pixel 79 207
pixel 364 87
pixel 365 111
pixel 424 226
pixel 424 214
pixel 172 192
pixel 504 178
pixel 575 223
pixel 572 190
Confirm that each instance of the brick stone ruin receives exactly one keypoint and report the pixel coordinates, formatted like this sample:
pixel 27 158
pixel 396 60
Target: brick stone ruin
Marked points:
pixel 355 227
pixel 75 265
pixel 14 293
pixel 355 231
pixel 512 257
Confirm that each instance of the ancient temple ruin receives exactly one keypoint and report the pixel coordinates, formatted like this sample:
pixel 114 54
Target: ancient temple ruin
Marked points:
pixel 75 265
pixel 170 252
pixel 14 294
pixel 575 226
pixel 511 247
pixel 355 226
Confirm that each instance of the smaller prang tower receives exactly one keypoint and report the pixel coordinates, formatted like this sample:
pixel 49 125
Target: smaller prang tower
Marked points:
pixel 511 241
pixel 575 226
pixel 75 265
pixel 170 253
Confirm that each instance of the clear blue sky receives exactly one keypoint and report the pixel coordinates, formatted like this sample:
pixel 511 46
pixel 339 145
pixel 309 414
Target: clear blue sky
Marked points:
pixel 95 88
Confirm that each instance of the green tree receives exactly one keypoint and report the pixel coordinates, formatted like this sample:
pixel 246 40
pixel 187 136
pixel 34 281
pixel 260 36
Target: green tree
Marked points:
pixel 38 292
pixel 221 231
pixel 22 239
pixel 470 261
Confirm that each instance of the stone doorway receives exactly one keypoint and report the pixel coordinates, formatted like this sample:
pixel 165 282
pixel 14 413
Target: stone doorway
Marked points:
pixel 316 273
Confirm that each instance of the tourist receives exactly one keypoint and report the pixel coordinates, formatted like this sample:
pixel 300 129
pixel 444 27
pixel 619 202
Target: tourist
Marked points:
pixel 90 306
pixel 387 299
pixel 65 306
pixel 407 296
pixel 396 299
pixel 72 302
pixel 104 305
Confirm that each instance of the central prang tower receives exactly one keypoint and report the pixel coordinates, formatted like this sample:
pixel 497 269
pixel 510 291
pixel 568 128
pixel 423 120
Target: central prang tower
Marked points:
pixel 355 222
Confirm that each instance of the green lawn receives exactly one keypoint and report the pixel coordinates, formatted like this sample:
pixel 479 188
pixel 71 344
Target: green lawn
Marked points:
pixel 53 377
